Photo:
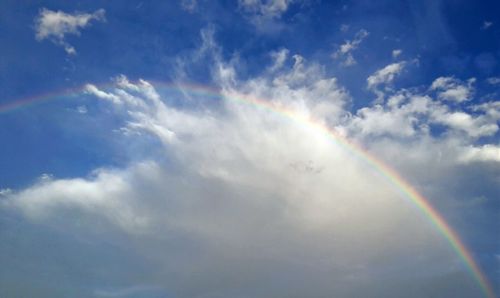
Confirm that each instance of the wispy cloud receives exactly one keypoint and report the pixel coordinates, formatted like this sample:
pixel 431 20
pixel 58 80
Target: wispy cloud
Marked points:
pixel 345 50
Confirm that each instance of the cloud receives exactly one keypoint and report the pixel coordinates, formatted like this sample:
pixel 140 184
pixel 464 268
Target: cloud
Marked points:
pixel 407 114
pixel 395 118
pixel 487 153
pixel 241 199
pixel 459 120
pixel 189 5
pixel 493 81
pixel 396 53
pixel 452 89
pixel 56 25
pixel 345 50
pixel 104 193
pixel 265 14
pixel 279 58
pixel 268 9
pixel 5 191
pixel 385 75
pixel 82 109
pixel 91 89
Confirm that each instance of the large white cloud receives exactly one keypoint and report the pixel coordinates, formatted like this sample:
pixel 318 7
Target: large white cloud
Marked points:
pixel 246 202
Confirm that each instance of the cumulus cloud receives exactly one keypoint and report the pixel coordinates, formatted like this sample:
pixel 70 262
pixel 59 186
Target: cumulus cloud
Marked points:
pixel 345 50
pixel 453 89
pixel 239 196
pixel 407 114
pixel 56 25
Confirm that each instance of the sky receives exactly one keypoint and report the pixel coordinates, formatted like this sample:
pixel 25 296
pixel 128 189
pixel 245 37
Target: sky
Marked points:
pixel 250 148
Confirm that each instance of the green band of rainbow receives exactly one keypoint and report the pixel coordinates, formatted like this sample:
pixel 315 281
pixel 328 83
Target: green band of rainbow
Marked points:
pixel 391 176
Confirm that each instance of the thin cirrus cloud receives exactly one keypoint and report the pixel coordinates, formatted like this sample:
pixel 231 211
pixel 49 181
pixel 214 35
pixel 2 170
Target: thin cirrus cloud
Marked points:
pixel 56 25
pixel 248 196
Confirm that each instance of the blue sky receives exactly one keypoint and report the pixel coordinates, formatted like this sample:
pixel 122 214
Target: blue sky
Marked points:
pixel 140 185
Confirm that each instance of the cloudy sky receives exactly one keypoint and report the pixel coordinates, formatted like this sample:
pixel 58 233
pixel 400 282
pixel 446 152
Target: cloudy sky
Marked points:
pixel 199 148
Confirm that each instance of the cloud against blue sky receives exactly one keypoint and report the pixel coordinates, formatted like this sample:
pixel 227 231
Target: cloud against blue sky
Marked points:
pixel 173 148
pixel 54 25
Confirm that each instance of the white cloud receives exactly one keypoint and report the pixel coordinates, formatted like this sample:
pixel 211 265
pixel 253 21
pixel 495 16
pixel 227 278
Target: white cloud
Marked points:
pixel 483 153
pixel 490 109
pixel 91 89
pixel 462 121
pixel 452 89
pixel 345 50
pixel 244 195
pixel 400 117
pixel 385 75
pixel 406 114
pixel 106 193
pixel 383 78
pixel 55 25
pixel 396 53
pixel 238 197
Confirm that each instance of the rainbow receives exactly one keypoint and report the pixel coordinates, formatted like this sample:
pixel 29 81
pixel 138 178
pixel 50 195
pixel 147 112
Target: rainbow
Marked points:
pixel 389 174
